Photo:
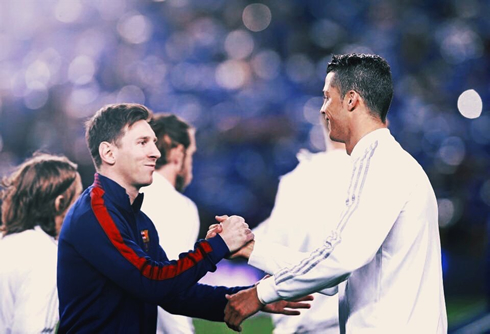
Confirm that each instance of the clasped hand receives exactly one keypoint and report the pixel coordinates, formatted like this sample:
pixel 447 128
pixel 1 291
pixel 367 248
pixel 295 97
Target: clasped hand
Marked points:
pixel 233 230
pixel 246 303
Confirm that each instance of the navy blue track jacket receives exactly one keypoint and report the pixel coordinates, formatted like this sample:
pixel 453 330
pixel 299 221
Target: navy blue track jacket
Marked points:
pixel 112 273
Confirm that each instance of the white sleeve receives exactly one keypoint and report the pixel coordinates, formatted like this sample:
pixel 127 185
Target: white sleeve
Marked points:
pixel 271 257
pixel 374 201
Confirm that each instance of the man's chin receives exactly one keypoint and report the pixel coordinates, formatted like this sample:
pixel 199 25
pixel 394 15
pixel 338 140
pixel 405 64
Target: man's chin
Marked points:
pixel 147 182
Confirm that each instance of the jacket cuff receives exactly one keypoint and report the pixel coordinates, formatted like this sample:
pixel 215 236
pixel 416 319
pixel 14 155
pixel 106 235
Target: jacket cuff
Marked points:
pixel 220 250
pixel 267 291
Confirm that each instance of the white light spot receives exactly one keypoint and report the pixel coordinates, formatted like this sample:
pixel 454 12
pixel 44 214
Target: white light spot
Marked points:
pixel 85 95
pixel 266 64
pixel 68 11
pixel 232 74
pixel 38 71
pixel 135 29
pixel 446 212
pixel 317 137
pixel 452 151
pixel 470 104
pixel 36 96
pixel 256 17
pixel 239 44
pixel 131 94
pixel 81 70
pixel 311 110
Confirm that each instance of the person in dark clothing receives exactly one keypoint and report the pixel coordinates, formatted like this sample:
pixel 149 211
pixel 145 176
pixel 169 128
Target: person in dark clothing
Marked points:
pixel 112 273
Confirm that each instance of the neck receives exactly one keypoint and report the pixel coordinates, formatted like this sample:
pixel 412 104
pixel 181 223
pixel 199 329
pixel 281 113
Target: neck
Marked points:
pixel 131 190
pixel 168 173
pixel 361 128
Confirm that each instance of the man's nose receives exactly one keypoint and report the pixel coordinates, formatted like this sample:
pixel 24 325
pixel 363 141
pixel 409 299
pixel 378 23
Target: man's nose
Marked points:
pixel 322 109
pixel 155 151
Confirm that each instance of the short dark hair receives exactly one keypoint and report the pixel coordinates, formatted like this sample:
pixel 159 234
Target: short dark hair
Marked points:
pixel 108 124
pixel 368 75
pixel 170 131
pixel 30 192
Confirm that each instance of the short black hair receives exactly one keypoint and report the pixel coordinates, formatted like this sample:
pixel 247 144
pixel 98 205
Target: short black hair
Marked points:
pixel 368 75
pixel 170 131
pixel 108 125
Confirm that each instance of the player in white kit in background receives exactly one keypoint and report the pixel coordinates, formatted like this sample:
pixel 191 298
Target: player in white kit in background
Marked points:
pixel 312 190
pixel 175 216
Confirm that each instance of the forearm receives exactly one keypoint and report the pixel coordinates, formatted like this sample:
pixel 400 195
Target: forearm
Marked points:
pixel 201 301
pixel 271 257
pixel 120 258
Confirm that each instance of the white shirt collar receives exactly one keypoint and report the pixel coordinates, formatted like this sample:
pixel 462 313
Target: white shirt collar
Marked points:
pixel 368 139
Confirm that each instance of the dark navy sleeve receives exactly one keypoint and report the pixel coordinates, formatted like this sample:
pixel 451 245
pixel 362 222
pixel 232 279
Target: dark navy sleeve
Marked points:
pixel 104 239
pixel 201 301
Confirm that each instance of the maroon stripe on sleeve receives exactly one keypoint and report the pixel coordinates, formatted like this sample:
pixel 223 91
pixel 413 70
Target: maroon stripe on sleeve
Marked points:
pixel 149 271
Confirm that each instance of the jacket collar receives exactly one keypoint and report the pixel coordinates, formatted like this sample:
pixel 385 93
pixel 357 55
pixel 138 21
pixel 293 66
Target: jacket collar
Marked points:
pixel 117 194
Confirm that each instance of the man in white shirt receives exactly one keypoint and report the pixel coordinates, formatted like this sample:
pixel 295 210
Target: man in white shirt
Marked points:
pixel 386 245
pixel 309 191
pixel 175 216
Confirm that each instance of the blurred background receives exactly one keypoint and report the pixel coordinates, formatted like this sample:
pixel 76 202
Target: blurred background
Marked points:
pixel 249 76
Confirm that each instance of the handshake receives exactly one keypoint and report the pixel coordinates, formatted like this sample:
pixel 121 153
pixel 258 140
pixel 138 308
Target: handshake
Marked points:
pixel 240 241
pixel 235 232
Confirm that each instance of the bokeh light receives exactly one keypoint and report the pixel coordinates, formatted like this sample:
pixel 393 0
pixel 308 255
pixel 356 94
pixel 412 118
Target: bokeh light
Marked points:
pixel 256 17
pixel 135 28
pixel 232 74
pixel 470 104
pixel 239 44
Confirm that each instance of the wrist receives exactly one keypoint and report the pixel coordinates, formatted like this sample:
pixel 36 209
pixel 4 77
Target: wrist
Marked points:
pixel 261 301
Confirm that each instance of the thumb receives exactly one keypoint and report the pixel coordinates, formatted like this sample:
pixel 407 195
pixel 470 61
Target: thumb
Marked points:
pixel 221 218
pixel 228 296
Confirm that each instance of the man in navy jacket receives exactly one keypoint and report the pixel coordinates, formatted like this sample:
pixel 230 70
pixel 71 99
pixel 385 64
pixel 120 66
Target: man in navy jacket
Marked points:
pixel 112 273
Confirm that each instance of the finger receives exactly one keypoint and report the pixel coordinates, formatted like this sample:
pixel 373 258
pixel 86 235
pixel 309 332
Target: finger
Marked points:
pixel 216 228
pixel 221 218
pixel 290 312
pixel 235 328
pixel 305 298
pixel 227 313
pixel 235 322
pixel 210 235
pixel 297 305
pixel 249 237
pixel 228 297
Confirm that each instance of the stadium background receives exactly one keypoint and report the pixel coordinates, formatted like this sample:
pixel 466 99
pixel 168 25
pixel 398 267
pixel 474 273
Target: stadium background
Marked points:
pixel 249 76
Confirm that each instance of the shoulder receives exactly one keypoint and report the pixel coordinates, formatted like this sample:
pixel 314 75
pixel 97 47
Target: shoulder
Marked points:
pixel 393 160
pixel 29 246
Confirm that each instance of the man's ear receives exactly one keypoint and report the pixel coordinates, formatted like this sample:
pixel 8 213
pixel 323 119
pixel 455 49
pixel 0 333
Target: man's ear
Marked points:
pixel 176 156
pixel 59 203
pixel 107 153
pixel 352 100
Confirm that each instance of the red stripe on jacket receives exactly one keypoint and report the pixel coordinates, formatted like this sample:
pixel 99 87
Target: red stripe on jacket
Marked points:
pixel 149 271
